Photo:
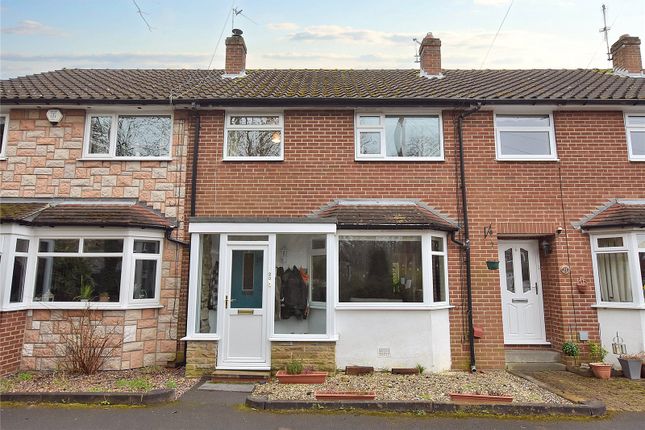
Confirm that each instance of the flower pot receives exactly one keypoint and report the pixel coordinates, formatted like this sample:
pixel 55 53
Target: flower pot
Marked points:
pixel 492 265
pixel 478 398
pixel 631 367
pixel 643 370
pixel 601 370
pixel 345 395
pixel 359 370
pixel 405 371
pixel 301 378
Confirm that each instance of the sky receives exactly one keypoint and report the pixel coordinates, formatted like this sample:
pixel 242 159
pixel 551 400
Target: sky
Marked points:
pixel 42 35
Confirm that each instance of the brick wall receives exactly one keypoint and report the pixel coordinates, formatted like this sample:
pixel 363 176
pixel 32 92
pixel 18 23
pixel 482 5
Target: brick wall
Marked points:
pixel 12 328
pixel 514 197
pixel 46 161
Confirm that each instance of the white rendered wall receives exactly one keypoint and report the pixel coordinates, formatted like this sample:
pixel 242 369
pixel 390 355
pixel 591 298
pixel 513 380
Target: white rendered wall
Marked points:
pixel 412 336
pixel 629 323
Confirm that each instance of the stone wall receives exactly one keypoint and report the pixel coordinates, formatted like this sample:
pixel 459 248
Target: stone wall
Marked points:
pixel 201 357
pixel 319 355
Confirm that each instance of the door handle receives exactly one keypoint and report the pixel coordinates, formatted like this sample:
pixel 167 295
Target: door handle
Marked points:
pixel 226 303
pixel 536 288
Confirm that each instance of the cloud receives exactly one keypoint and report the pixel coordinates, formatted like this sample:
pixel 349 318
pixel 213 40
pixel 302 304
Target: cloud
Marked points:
pixel 349 34
pixel 491 2
pixel 289 26
pixel 340 58
pixel 31 28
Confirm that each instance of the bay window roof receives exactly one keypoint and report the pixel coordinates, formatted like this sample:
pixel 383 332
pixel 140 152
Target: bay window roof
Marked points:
pixel 117 213
pixel 618 214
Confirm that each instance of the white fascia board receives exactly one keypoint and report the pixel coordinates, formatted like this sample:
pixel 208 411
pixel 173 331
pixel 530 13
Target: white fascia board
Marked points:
pixel 245 228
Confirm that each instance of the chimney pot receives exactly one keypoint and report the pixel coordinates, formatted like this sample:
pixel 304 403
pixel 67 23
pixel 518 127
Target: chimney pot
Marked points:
pixel 235 53
pixel 626 54
pixel 430 55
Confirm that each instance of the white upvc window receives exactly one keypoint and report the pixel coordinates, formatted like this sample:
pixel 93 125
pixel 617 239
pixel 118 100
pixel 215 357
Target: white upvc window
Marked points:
pixel 635 129
pixel 4 131
pixel 619 268
pixel 254 137
pixel 128 136
pixel 525 137
pixel 67 268
pixel 388 269
pixel 393 136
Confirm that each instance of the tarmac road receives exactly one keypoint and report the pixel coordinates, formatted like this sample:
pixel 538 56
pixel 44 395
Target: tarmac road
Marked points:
pixel 198 410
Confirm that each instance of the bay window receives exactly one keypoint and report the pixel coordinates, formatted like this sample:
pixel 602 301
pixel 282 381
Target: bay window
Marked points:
pixel 386 269
pixel 619 268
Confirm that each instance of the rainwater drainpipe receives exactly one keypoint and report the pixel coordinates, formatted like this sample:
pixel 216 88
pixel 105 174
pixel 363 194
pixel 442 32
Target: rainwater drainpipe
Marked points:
pixel 465 245
pixel 193 179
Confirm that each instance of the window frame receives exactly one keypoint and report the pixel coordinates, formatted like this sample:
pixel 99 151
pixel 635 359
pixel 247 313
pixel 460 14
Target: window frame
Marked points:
pixel 426 257
pixel 228 126
pixel 111 154
pixel 628 132
pixel 630 247
pixel 4 137
pixel 126 288
pixel 499 156
pixel 382 156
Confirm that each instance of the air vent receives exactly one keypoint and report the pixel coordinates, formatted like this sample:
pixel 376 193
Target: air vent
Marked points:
pixel 384 352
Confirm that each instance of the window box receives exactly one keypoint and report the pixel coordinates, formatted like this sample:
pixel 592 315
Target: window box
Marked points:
pixel 398 137
pixel 619 269
pixel 128 136
pixel 254 137
pixel 635 129
pixel 525 137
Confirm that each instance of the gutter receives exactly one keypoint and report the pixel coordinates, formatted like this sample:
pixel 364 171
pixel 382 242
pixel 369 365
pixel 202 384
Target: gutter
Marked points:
pixel 465 245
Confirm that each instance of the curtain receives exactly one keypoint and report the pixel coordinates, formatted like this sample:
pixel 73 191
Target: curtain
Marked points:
pixel 613 271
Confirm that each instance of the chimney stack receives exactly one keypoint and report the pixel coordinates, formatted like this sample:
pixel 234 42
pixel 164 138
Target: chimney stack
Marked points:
pixel 626 55
pixel 235 54
pixel 430 55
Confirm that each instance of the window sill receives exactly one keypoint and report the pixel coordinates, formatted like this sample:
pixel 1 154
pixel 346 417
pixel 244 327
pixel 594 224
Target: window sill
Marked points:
pixel 92 306
pixel 302 338
pixel 524 160
pixel 125 159
pixel 391 307
pixel 401 160
pixel 629 306
pixel 200 337
pixel 13 308
pixel 252 159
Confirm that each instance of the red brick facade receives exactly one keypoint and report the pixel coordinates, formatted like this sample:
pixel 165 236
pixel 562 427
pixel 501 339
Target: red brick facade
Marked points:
pixel 519 199
pixel 12 328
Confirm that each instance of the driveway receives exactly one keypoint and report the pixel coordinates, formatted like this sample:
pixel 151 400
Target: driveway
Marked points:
pixel 221 410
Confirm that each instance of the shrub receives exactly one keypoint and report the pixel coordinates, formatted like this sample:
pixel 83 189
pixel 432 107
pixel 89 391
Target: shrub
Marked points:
pixel 596 352
pixel 420 368
pixel 25 376
pixel 571 349
pixel 295 367
pixel 88 344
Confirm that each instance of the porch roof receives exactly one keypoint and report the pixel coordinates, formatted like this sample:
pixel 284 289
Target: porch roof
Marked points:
pixel 385 214
pixel 53 212
pixel 619 214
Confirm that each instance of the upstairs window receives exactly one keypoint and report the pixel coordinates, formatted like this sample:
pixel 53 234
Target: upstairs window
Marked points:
pixel 635 128
pixel 398 137
pixel 254 137
pixel 525 137
pixel 4 130
pixel 128 136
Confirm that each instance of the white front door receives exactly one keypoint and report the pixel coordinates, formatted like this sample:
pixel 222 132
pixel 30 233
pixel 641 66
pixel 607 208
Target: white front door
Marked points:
pixel 244 343
pixel 522 304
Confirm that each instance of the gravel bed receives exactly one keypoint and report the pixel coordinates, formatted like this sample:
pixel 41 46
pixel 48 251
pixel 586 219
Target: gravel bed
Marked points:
pixel 431 386
pixel 120 381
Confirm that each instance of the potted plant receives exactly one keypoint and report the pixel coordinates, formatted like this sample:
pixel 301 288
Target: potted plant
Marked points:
pixel 296 373
pixel 104 297
pixel 87 290
pixel 631 365
pixel 597 353
pixel 571 349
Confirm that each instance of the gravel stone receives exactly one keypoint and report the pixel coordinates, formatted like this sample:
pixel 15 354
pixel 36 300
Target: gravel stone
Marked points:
pixel 430 386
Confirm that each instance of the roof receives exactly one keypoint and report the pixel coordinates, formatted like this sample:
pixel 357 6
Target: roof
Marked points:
pixel 308 86
pixel 76 214
pixel 617 215
pixel 375 215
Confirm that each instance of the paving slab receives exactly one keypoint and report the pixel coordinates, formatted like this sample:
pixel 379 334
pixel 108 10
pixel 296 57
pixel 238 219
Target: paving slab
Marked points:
pixel 235 388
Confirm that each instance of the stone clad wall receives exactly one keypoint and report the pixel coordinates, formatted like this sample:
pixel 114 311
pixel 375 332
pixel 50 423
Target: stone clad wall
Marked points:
pixel 318 355
pixel 45 161
pixel 201 357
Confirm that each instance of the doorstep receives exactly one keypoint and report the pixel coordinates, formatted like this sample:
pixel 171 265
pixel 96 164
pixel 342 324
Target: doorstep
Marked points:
pixel 589 409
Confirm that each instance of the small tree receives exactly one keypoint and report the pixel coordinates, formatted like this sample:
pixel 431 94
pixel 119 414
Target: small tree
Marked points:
pixel 88 344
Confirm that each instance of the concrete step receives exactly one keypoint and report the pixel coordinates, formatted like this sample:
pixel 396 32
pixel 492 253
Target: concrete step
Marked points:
pixel 535 367
pixel 240 376
pixel 532 356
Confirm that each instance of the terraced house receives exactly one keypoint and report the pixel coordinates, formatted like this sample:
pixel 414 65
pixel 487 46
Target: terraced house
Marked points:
pixel 239 219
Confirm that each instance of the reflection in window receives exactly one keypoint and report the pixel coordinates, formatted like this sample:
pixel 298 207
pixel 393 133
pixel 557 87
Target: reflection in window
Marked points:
pixel 145 279
pixel 254 136
pixel 526 275
pixel 380 269
pixel 206 315
pixel 143 136
pixel 510 274
pixel 524 136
